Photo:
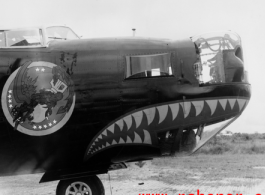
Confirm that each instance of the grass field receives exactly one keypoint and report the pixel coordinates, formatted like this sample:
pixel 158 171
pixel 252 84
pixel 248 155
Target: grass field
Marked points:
pixel 211 174
pixel 235 144
pixel 200 166
pixel 227 164
pixel 233 164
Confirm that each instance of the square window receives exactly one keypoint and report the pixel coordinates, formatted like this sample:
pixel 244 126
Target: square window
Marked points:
pixel 148 65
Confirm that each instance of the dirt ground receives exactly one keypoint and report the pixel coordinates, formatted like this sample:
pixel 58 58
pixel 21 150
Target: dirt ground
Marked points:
pixel 210 174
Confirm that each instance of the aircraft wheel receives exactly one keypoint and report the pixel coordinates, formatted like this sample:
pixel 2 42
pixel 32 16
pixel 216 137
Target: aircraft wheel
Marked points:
pixel 81 186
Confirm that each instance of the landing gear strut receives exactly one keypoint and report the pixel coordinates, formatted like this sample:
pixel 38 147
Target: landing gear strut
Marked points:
pixel 81 186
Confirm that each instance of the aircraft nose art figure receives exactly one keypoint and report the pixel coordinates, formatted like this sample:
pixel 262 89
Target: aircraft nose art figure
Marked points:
pixel 38 98
pixel 72 108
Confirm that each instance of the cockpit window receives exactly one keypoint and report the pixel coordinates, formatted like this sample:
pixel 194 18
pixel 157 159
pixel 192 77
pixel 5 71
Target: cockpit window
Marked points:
pixel 148 65
pixel 2 39
pixel 28 37
pixel 219 58
pixel 60 32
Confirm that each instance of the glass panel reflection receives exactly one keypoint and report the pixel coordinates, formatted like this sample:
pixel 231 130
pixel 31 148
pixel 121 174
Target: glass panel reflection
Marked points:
pixel 219 58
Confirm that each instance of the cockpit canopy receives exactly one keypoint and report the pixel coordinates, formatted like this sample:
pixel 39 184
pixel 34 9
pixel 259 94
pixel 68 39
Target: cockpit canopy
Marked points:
pixel 60 32
pixel 219 58
pixel 35 37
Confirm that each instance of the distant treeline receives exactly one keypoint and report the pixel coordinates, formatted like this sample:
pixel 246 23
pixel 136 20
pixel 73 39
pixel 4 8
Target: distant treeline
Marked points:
pixel 242 136
pixel 237 143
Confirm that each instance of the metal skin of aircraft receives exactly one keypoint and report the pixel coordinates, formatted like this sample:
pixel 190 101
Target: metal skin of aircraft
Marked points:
pixel 73 108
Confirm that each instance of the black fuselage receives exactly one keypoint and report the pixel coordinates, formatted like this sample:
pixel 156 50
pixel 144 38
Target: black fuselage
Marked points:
pixel 104 94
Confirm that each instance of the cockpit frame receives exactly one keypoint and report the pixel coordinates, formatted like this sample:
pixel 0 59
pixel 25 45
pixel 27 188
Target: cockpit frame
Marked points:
pixel 34 37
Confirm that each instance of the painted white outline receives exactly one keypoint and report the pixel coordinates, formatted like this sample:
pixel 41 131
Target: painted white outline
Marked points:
pixel 21 128
pixel 150 112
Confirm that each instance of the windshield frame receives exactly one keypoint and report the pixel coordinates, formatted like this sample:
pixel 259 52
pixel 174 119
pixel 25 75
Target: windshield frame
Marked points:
pixel 219 58
pixel 36 29
pixel 44 41
pixel 51 38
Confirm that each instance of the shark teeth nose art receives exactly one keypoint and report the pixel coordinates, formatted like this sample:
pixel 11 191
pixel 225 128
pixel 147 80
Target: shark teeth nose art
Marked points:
pixel 212 104
pixel 140 127
pixel 186 106
pixel 198 106
pixel 223 103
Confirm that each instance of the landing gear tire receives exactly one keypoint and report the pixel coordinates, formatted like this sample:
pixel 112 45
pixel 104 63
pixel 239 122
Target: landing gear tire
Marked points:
pixel 81 186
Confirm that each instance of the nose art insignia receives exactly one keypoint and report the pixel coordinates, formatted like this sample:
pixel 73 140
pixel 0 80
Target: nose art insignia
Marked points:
pixel 38 98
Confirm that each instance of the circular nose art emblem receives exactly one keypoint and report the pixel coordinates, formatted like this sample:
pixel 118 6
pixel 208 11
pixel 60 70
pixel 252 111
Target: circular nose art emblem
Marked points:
pixel 38 98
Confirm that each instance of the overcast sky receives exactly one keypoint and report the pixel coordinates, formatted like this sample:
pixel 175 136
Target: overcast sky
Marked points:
pixel 171 19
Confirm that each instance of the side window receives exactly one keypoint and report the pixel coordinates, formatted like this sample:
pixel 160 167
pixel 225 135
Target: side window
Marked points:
pixel 59 32
pixel 23 38
pixel 2 39
pixel 148 65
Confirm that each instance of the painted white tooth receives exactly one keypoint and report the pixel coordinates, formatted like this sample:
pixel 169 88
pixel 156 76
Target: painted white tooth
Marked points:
pixel 186 108
pixel 150 114
pixel 103 146
pixel 198 106
pixel 137 138
pixel 138 117
pixel 212 104
pixel 100 136
pixel 104 133
pixel 120 124
pixel 223 103
pixel 107 144
pixel 99 148
pixel 121 141
pixel 174 109
pixel 241 103
pixel 128 140
pixel 113 142
pixel 93 144
pixel 247 103
pixel 232 102
pixel 128 121
pixel 111 128
pixel 96 139
pixel 147 137
pixel 162 110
